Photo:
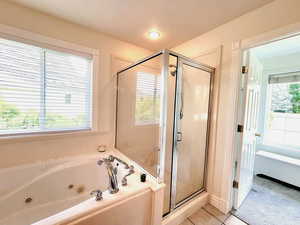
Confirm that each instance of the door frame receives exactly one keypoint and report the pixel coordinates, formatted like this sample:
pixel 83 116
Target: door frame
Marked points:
pixel 239 48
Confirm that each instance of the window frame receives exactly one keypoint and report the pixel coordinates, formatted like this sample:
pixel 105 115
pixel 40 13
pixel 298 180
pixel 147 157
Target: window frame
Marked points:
pixel 26 37
pixel 157 81
pixel 264 108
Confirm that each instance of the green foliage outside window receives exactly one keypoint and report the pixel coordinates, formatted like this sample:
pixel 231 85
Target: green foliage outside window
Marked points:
pixel 11 118
pixel 8 111
pixel 294 91
pixel 147 110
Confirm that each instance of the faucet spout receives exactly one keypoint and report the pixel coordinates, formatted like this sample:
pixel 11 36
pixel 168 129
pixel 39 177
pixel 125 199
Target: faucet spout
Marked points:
pixel 112 172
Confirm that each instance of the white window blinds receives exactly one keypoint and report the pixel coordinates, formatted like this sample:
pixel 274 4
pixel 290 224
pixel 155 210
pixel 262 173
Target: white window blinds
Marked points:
pixel 147 99
pixel 284 78
pixel 43 90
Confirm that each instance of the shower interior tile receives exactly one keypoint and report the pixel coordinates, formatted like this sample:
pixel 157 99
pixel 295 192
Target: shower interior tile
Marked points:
pixel 186 222
pixel 202 217
pixel 232 220
pixel 215 212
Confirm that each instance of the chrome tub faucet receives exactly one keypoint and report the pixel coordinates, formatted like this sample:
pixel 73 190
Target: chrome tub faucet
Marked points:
pixel 113 171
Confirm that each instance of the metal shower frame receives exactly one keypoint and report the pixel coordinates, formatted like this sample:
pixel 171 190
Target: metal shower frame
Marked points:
pixel 163 117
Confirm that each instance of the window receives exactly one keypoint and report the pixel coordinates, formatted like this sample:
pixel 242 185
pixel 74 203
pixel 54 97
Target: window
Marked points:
pixel 283 115
pixel 147 106
pixel 43 90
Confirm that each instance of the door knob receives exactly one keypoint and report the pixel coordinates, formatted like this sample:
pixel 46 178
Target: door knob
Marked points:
pixel 257 134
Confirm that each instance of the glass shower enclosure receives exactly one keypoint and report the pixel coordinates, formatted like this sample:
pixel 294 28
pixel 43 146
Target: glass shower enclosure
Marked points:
pixel 162 121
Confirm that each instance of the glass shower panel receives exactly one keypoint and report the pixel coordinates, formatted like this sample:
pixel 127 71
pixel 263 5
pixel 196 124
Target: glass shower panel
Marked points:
pixel 192 130
pixel 138 113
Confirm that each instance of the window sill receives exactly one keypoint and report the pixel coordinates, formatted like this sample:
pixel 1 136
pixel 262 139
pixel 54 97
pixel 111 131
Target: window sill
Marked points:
pixel 48 135
pixel 281 150
pixel 278 157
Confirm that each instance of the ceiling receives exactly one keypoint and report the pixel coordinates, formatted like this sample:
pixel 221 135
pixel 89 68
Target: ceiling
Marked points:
pixel 130 20
pixel 282 54
pixel 279 48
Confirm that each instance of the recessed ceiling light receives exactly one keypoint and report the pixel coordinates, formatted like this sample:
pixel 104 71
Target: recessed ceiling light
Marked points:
pixel 153 34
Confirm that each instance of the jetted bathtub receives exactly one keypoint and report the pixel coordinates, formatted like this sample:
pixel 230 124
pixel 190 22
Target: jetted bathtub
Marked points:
pixel 58 192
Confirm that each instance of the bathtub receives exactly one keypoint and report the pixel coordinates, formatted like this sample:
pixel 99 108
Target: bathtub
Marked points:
pixel 58 192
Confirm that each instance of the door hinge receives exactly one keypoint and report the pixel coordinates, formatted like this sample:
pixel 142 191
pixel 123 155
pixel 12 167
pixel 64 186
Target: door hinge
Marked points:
pixel 158 170
pixel 179 136
pixel 235 184
pixel 244 69
pixel 235 165
pixel 240 128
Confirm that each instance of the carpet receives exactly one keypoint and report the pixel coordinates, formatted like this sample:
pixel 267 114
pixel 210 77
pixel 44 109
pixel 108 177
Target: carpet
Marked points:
pixel 270 203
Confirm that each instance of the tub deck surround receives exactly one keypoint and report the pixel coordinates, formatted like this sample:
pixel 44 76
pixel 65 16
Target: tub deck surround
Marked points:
pixel 55 200
pixel 90 207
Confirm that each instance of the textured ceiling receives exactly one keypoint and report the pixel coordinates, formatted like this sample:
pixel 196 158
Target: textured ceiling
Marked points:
pixel 130 20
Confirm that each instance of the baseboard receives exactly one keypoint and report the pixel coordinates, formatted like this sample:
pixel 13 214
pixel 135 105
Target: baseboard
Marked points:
pixel 219 203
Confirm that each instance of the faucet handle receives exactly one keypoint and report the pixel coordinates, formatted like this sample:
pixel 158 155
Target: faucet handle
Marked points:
pixel 97 194
pixel 131 169
pixel 100 162
pixel 113 158
pixel 124 179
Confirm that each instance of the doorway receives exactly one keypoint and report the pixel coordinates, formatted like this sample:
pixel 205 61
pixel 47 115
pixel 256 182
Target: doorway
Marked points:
pixel 267 168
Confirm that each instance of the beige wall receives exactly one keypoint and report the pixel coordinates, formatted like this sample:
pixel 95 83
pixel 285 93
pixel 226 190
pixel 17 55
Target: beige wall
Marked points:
pixel 25 151
pixel 274 15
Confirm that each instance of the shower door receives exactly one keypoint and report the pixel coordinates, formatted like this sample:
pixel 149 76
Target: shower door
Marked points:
pixel 193 88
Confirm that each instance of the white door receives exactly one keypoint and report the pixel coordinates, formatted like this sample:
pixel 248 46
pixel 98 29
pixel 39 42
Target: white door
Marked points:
pixel 250 96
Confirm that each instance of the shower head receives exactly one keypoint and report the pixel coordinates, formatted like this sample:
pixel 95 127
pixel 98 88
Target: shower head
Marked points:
pixel 173 73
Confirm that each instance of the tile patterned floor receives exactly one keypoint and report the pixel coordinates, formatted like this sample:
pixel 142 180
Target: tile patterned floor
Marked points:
pixel 209 215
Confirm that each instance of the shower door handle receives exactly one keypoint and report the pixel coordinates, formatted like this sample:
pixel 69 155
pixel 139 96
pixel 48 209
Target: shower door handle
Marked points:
pixel 179 136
